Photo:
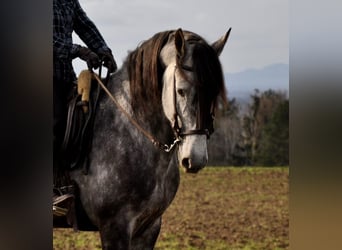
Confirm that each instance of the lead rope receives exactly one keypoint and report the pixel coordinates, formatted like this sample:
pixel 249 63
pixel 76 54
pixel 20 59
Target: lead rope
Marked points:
pixel 155 142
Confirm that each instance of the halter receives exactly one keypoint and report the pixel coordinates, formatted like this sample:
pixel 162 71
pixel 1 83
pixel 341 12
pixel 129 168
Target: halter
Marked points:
pixel 178 130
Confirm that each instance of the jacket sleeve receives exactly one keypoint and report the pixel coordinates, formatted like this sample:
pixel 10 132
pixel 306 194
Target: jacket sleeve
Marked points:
pixel 87 30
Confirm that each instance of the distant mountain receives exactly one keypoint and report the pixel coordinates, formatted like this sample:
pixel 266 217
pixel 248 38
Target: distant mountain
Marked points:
pixel 242 84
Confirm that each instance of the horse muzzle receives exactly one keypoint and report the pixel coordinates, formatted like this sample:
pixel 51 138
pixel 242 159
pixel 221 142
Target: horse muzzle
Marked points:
pixel 191 168
pixel 192 153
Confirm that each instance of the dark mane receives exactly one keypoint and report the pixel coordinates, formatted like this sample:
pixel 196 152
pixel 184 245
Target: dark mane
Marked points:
pixel 208 78
pixel 145 73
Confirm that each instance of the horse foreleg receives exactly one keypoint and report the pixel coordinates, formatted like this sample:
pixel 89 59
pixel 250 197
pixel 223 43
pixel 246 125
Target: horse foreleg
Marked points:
pixel 147 239
pixel 114 237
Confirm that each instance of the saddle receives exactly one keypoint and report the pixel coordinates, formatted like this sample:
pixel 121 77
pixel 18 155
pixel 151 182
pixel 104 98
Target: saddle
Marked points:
pixel 76 146
pixel 80 121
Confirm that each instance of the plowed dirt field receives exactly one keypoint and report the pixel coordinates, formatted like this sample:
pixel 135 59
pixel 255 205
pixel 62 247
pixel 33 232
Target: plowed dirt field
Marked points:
pixel 219 208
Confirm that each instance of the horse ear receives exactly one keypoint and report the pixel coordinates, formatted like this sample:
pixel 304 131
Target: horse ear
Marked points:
pixel 219 44
pixel 179 42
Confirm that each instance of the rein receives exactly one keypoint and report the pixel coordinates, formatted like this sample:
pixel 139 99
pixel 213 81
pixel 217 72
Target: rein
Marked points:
pixel 179 134
pixel 154 141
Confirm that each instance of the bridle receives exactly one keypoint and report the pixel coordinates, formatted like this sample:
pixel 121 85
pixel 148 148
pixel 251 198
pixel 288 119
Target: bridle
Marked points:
pixel 199 128
pixel 179 134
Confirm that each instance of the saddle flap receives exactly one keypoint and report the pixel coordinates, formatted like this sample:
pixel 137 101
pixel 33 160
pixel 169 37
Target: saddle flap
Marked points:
pixel 80 119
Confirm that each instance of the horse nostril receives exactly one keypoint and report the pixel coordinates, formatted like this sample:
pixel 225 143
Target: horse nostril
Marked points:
pixel 186 162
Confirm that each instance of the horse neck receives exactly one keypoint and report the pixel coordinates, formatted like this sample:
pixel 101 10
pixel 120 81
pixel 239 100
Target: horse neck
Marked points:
pixel 153 120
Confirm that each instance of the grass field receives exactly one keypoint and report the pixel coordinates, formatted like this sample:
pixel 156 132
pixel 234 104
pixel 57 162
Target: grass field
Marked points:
pixel 220 208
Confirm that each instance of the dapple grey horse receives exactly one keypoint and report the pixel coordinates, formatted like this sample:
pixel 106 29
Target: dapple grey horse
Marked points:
pixel 170 86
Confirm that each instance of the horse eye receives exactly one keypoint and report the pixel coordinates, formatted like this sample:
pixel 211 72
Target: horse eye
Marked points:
pixel 181 92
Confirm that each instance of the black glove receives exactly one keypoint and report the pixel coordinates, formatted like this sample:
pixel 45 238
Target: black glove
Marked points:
pixel 108 59
pixel 93 61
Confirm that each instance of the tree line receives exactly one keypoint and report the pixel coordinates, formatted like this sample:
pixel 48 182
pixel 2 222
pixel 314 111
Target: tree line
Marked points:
pixel 258 135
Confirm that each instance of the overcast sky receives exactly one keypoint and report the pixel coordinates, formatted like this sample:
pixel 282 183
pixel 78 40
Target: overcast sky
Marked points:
pixel 259 35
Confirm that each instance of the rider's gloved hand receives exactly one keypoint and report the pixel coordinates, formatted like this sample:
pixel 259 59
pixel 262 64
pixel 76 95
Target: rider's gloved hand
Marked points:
pixel 92 59
pixel 108 59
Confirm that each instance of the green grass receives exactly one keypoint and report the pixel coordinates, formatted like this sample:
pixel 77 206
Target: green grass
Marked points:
pixel 65 239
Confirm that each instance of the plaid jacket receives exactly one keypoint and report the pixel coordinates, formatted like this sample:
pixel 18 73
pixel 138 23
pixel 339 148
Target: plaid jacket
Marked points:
pixel 68 16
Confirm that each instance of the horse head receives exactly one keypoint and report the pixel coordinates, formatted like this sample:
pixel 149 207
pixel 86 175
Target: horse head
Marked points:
pixel 192 82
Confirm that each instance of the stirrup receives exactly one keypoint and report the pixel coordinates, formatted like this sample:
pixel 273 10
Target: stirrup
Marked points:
pixel 62 198
pixel 58 210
